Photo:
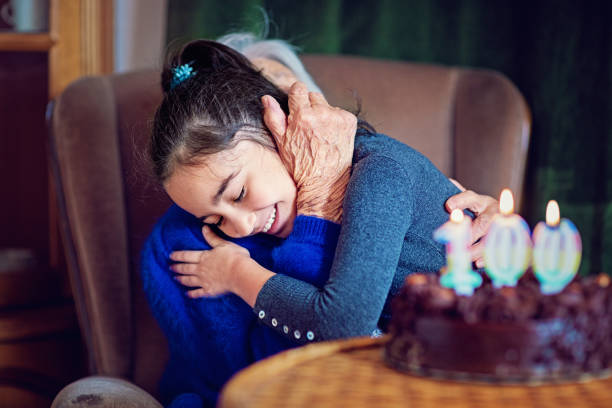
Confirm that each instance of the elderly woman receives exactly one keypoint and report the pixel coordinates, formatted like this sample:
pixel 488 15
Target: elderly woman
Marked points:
pixel 292 225
pixel 312 234
pixel 279 63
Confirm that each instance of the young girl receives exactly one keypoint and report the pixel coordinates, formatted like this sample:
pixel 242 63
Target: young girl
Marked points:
pixel 273 238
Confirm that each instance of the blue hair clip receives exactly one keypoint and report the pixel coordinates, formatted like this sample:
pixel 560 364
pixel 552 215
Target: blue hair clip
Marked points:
pixel 181 73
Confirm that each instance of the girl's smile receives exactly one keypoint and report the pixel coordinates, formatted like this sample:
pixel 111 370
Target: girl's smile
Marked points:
pixel 244 190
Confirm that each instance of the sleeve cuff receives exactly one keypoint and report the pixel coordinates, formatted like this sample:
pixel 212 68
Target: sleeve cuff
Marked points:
pixel 273 307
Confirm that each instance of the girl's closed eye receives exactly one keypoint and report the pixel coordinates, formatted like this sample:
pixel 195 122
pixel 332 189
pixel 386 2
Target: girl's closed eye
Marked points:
pixel 240 196
pixel 219 222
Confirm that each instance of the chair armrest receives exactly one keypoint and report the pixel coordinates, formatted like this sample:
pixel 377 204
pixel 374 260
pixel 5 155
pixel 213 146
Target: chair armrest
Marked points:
pixel 101 392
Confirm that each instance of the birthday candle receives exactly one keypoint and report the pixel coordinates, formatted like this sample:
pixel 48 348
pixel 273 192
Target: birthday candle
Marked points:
pixel 507 245
pixel 557 251
pixel 456 235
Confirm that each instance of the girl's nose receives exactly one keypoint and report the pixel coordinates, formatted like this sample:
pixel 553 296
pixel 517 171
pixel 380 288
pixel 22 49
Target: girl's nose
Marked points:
pixel 240 224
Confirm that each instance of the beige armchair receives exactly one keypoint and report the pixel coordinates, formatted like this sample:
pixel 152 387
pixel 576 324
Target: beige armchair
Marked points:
pixel 473 124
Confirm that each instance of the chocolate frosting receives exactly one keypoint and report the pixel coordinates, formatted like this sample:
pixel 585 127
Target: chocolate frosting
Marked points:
pixel 503 334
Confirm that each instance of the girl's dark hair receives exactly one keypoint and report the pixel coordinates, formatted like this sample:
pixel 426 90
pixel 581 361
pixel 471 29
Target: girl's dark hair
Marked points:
pixel 210 111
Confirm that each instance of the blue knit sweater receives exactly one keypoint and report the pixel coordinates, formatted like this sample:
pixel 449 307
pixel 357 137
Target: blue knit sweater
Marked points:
pixel 210 339
pixel 394 201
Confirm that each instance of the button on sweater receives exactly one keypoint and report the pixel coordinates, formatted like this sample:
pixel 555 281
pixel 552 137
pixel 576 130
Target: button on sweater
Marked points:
pixel 331 281
pixel 393 203
pixel 210 339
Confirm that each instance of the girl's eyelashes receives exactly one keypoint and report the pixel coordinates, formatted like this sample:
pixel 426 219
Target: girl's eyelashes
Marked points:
pixel 220 220
pixel 241 196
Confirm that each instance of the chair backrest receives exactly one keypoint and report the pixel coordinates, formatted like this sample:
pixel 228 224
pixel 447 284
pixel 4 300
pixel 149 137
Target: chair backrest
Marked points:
pixel 99 128
pixel 473 124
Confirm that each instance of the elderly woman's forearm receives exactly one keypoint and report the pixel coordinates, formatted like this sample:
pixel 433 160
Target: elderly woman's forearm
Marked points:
pixel 324 201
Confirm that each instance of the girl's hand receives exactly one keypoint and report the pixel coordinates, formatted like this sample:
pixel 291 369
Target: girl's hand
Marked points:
pixel 210 271
pixel 484 207
pixel 315 144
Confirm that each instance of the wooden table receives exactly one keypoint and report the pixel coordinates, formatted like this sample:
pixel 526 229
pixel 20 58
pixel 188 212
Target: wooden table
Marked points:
pixel 352 373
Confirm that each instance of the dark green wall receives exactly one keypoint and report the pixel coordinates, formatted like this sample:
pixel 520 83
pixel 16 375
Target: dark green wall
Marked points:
pixel 558 53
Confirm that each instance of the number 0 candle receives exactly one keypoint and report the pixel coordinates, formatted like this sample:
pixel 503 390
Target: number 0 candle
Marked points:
pixel 557 251
pixel 456 234
pixel 507 245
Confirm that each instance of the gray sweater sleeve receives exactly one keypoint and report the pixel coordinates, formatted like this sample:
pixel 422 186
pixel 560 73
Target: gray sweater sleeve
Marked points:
pixel 378 208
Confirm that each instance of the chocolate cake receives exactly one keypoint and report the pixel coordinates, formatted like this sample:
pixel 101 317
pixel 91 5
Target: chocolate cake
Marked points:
pixel 511 334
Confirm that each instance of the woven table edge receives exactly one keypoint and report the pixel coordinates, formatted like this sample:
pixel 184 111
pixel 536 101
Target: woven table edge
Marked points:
pixel 237 391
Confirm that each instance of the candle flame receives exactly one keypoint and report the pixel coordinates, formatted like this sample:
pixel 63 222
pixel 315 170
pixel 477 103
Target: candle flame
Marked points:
pixel 456 215
pixel 506 202
pixel 552 213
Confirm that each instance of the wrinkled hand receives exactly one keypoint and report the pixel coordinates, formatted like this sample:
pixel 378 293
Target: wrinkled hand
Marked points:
pixel 210 271
pixel 315 143
pixel 484 208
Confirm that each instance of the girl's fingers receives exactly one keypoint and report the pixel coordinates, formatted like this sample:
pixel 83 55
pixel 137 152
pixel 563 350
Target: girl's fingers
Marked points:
pixel 184 268
pixel 186 256
pixel 213 239
pixel 196 293
pixel 298 97
pixel 188 280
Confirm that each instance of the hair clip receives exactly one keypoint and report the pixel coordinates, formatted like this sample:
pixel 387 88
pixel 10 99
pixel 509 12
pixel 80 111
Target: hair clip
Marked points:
pixel 181 73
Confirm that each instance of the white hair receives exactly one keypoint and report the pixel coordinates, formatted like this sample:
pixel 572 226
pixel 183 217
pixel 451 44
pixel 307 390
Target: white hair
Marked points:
pixel 253 46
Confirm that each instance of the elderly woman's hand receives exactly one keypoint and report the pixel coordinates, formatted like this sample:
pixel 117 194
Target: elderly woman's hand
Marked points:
pixel 484 208
pixel 315 143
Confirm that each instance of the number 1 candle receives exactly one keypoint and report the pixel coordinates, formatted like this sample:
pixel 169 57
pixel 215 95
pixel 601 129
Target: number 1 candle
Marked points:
pixel 456 234
pixel 557 251
pixel 507 245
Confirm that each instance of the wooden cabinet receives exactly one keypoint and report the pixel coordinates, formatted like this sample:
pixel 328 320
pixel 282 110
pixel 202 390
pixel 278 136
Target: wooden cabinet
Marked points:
pixel 40 345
